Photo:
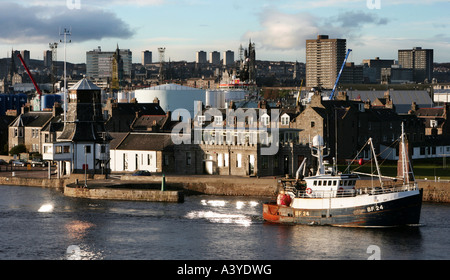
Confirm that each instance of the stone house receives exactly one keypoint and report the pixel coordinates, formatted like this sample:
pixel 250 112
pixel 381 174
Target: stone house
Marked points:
pixel 142 151
pixel 436 119
pixel 346 125
pixel 29 128
pixel 242 142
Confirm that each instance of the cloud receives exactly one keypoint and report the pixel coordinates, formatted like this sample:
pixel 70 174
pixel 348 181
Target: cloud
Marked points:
pixel 40 23
pixel 289 31
pixel 284 31
pixel 356 19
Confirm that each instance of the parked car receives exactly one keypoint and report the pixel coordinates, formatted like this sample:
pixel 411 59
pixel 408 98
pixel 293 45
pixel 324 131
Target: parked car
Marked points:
pixel 142 173
pixel 38 162
pixel 18 163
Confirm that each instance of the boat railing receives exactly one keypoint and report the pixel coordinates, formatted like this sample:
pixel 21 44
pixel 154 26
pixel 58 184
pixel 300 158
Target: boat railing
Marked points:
pixel 351 192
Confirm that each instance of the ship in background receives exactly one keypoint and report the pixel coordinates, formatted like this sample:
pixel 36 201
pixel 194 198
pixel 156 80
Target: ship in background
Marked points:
pixel 237 84
pixel 331 198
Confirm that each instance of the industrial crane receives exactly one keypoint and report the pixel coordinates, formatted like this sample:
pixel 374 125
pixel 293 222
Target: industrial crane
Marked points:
pixel 31 76
pixel 339 75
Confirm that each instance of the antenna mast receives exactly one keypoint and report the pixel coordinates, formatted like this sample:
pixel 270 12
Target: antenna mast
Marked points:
pixel 53 47
pixel 161 64
pixel 65 33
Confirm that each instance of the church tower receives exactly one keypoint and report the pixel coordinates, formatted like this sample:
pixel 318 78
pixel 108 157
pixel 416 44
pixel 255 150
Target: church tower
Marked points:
pixel 117 70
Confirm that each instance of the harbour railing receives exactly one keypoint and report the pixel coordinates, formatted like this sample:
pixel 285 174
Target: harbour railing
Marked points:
pixel 350 192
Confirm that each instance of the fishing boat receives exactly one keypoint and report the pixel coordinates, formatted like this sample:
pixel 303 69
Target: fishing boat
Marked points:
pixel 331 198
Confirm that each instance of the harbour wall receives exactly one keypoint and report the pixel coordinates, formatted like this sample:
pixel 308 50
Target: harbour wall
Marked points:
pixel 124 194
pixel 217 185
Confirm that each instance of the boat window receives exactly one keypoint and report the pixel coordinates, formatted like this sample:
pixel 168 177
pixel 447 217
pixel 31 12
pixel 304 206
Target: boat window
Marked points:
pixel 341 183
pixel 345 183
pixel 315 183
pixel 320 183
pixel 329 183
pixel 353 183
pixel 334 182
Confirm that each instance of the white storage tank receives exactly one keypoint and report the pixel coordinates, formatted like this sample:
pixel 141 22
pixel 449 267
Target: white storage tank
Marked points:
pixel 171 96
pixel 215 99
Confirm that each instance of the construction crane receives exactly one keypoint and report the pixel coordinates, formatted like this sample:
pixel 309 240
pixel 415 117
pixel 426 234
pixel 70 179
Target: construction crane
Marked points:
pixel 31 76
pixel 339 75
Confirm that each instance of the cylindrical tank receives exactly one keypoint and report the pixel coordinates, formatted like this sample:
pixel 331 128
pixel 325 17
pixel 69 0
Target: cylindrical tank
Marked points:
pixel 22 99
pixel 210 98
pixel 47 101
pixel 8 101
pixel 171 96
pixel 2 104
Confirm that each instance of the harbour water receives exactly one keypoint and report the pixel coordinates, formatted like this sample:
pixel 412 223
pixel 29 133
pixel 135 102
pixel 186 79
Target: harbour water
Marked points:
pixel 43 224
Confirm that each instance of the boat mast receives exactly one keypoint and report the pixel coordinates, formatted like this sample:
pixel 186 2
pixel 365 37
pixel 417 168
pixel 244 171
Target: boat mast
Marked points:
pixel 404 168
pixel 376 162
pixel 406 162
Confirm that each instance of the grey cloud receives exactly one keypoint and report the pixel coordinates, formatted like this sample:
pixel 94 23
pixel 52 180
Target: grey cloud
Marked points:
pixel 355 19
pixel 31 24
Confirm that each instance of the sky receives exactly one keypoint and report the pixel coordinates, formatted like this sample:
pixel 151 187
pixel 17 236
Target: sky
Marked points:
pixel 279 28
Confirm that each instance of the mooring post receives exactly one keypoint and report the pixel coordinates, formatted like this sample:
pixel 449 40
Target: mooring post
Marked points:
pixel 163 183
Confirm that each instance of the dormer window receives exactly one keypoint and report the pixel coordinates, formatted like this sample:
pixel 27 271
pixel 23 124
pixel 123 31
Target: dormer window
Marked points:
pixel 265 119
pixel 218 120
pixel 285 119
pixel 201 120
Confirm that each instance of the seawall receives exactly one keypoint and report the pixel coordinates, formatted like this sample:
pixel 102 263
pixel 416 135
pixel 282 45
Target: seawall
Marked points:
pixel 211 185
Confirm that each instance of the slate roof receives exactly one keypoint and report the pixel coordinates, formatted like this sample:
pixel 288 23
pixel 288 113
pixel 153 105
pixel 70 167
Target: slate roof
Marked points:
pixel 84 84
pixel 146 142
pixel 402 99
pixel 32 119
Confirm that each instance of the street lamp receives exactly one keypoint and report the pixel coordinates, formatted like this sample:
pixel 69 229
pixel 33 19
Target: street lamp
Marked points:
pixel 85 166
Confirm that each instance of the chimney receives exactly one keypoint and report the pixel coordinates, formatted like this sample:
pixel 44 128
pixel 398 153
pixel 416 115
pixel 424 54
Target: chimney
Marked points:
pixel 342 95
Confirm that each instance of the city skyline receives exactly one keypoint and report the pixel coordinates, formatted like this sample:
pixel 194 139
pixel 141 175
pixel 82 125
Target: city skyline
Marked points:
pixel 184 27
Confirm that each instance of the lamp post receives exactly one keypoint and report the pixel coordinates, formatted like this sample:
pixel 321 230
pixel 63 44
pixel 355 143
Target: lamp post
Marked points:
pixel 85 166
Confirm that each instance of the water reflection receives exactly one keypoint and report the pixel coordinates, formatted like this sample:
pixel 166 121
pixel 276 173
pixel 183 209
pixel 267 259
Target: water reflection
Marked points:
pixel 326 242
pixel 220 218
pixel 75 252
pixel 224 211
pixel 46 208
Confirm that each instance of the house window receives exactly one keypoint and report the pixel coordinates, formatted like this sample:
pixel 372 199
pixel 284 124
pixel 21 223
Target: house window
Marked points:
pixel 58 149
pixel 201 120
pixel 226 160
pixel 66 149
pixel 218 120
pixel 239 160
pixel 313 124
pixel 265 162
pixel 220 160
pixel 285 119
pixel 166 160
pixel 87 149
pixel 149 159
pixel 265 119
pixel 188 158
pixel 103 149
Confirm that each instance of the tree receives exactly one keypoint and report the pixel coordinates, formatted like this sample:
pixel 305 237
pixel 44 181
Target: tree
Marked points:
pixel 18 149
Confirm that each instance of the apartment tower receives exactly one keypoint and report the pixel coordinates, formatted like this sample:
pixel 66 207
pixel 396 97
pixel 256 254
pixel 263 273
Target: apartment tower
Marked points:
pixel 420 61
pixel 324 58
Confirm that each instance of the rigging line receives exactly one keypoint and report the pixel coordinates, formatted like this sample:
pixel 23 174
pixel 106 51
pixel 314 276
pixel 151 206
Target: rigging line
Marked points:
pixel 357 154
